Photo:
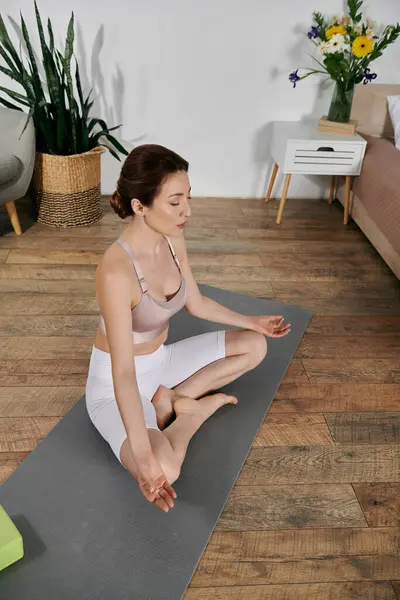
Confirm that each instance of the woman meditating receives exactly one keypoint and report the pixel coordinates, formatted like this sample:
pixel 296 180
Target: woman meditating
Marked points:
pixel 145 397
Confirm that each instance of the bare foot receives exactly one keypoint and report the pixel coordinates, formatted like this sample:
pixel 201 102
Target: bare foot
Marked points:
pixel 204 407
pixel 164 405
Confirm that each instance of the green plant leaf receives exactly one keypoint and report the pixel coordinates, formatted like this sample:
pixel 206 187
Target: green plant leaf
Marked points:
pixel 30 114
pixel 13 75
pixel 51 36
pixel 116 144
pixel 69 48
pixel 35 79
pixel 79 85
pixel 96 121
pixel 9 104
pixel 44 122
pixel 105 133
pixel 102 123
pixel 40 28
pixel 18 73
pixel 54 75
pixel 95 138
pixel 92 124
pixel 354 6
pixel 114 154
pixel 15 96
pixel 317 61
pixel 8 45
pixel 7 59
pixel 336 65
pixel 322 24
pixel 58 62
pixel 88 105
pixel 54 84
pixel 87 108
pixel 83 136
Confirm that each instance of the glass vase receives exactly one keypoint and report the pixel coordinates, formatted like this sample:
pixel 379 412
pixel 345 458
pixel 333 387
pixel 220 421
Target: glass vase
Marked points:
pixel 342 100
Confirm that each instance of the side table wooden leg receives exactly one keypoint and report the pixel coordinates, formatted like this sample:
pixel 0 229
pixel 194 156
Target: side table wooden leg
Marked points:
pixel 332 190
pixel 12 213
pixel 283 198
pixel 272 181
pixel 347 200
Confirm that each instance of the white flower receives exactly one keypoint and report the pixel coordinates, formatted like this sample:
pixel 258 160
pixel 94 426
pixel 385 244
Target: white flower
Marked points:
pixel 324 48
pixel 337 43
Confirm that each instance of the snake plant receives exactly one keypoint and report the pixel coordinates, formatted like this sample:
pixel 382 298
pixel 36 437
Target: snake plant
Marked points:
pixel 59 110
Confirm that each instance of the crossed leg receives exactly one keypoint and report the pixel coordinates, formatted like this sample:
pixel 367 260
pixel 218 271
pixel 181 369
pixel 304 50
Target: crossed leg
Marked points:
pixel 244 350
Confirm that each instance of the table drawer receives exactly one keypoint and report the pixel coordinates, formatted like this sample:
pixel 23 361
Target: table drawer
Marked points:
pixel 323 157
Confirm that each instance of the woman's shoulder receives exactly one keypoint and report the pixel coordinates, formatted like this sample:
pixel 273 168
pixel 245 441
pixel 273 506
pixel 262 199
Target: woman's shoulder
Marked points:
pixel 115 269
pixel 114 259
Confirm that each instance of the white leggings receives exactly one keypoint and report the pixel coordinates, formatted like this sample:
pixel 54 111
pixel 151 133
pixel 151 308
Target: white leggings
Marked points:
pixel 169 366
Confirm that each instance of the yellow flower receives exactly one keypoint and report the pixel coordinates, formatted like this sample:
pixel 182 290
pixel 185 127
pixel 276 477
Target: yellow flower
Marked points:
pixel 362 46
pixel 334 30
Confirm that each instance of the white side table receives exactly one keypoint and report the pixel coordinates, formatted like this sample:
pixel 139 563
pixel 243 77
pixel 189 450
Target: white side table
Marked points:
pixel 302 149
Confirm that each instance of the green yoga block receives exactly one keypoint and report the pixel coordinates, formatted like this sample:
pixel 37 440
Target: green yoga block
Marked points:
pixel 11 546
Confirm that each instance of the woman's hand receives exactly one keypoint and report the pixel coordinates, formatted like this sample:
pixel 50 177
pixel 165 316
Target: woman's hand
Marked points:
pixel 154 485
pixel 271 326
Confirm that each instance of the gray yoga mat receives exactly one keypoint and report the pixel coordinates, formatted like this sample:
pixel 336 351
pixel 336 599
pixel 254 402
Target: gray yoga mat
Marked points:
pixel 88 532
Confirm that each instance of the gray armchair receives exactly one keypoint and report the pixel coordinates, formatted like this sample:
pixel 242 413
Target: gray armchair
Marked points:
pixel 17 160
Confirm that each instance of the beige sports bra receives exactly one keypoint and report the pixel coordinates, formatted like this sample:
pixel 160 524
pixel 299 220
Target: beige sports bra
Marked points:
pixel 150 317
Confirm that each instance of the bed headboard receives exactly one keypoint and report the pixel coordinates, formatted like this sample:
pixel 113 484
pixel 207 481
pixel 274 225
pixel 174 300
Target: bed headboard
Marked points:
pixel 370 108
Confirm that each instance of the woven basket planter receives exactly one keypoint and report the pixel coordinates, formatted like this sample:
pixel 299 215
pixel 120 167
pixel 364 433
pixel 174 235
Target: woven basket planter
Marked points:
pixel 67 188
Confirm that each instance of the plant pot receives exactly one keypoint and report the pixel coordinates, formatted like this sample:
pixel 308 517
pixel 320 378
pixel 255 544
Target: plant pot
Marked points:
pixel 341 103
pixel 67 188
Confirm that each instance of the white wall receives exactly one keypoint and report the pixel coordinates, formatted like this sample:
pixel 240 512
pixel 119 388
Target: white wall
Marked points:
pixel 203 78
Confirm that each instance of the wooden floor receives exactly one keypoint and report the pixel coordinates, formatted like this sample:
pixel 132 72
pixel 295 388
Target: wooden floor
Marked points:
pixel 315 512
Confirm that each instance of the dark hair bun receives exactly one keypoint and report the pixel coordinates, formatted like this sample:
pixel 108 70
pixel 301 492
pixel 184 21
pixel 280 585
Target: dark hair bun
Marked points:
pixel 142 175
pixel 119 206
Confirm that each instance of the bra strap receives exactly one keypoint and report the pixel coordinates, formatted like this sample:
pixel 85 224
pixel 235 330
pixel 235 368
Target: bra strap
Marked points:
pixel 173 252
pixel 129 250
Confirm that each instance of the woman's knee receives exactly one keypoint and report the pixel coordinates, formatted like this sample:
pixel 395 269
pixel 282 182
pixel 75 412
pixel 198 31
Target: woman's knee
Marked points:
pixel 257 347
pixel 165 455
pixel 170 469
pixel 162 451
pixel 248 342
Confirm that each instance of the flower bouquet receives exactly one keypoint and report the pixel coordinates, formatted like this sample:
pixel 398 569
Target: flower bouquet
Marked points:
pixel 346 46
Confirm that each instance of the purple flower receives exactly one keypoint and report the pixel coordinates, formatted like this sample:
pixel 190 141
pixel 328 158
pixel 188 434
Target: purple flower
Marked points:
pixel 313 33
pixel 294 78
pixel 368 76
